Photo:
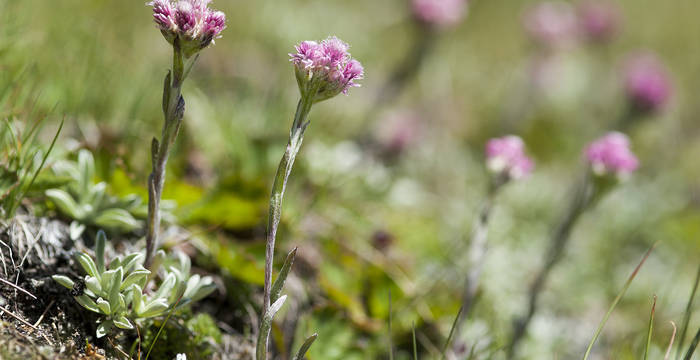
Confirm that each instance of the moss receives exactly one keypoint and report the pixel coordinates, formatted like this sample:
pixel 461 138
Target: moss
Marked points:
pixel 197 336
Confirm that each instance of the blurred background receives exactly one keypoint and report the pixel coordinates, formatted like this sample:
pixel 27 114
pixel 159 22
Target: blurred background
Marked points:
pixel 390 178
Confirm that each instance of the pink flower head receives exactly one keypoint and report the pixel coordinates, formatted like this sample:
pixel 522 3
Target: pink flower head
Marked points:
pixel 214 24
pixel 552 24
pixel 611 154
pixel 647 82
pixel 185 17
pixel 399 130
pixel 439 12
pixel 191 21
pixel 506 156
pixel 163 15
pixel 326 67
pixel 599 20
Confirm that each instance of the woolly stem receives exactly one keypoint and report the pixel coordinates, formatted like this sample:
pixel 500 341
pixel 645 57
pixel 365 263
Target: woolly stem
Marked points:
pixel 296 136
pixel 173 111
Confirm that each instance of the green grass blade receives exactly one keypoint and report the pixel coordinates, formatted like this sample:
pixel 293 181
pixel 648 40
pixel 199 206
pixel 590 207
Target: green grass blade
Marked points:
pixel 15 202
pixel 650 329
pixel 617 300
pixel 415 346
pixel 452 331
pixel 693 346
pixel 160 330
pixel 687 315
pixel 391 345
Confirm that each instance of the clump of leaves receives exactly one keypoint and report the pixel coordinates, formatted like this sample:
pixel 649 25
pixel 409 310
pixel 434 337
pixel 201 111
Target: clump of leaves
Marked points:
pixel 21 160
pixel 88 203
pixel 121 291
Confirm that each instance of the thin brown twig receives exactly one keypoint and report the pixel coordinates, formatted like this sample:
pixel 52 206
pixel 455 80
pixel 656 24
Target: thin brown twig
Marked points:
pixel 17 287
pixel 138 333
pixel 44 313
pixel 18 318
pixel 126 356
pixel 670 344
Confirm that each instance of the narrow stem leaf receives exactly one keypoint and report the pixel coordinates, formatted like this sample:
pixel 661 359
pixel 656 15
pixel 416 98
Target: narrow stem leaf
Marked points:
pixel 305 347
pixel 617 299
pixel 650 329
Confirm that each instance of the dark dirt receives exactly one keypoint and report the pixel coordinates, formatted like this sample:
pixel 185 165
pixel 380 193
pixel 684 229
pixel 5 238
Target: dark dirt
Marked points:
pixel 52 325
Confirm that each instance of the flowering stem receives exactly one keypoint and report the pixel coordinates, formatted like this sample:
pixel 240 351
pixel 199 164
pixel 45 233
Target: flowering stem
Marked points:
pixel 580 201
pixel 478 248
pixel 296 136
pixel 173 111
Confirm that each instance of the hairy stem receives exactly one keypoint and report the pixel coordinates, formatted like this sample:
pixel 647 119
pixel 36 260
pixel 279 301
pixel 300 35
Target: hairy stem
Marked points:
pixel 558 242
pixel 173 111
pixel 296 136
pixel 478 247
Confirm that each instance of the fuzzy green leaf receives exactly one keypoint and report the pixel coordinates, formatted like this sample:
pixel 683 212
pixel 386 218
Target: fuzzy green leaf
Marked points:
pixel 115 263
pixel 131 260
pixel 104 328
pixel 198 288
pixel 100 250
pixel 305 347
pixel 65 203
pixel 166 287
pixel 136 298
pixel 115 286
pixel 154 308
pixel 104 306
pixel 106 281
pixel 64 280
pixel 136 277
pixel 118 219
pixel 87 303
pixel 123 323
pixel 282 277
pixel 93 285
pixel 86 169
pixel 88 265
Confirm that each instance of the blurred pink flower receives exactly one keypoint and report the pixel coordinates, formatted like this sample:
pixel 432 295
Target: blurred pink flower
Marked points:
pixel 552 24
pixel 599 20
pixel 647 83
pixel 506 155
pixel 611 154
pixel 189 20
pixel 328 62
pixel 399 130
pixel 439 12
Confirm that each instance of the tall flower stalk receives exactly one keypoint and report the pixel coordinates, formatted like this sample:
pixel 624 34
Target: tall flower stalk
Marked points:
pixel 189 26
pixel 506 161
pixel 609 161
pixel 323 70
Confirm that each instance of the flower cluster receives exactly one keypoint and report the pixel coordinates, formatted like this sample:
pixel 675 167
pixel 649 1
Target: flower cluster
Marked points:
pixel 506 156
pixel 191 21
pixel 599 20
pixel 325 69
pixel 439 12
pixel 611 155
pixel 647 83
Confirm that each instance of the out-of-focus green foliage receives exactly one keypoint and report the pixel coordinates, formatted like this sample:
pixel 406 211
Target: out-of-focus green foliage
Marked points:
pixel 88 203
